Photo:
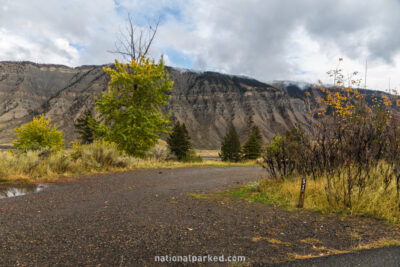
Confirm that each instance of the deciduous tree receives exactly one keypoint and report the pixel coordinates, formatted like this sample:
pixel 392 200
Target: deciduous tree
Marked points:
pixel 38 134
pixel 130 110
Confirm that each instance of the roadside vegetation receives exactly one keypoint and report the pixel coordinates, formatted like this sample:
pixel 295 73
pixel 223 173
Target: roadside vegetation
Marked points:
pixel 350 157
pixel 375 203
pixel 121 133
pixel 97 157
pixel 123 130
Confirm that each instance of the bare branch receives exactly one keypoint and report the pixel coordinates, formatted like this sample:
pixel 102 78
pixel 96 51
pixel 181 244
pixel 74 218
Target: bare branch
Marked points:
pixel 133 44
pixel 154 31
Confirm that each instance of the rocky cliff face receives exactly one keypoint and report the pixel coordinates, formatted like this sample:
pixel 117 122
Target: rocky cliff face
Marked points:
pixel 206 102
pixel 209 102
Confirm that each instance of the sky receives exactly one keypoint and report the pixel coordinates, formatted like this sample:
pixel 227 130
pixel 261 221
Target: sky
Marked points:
pixel 298 40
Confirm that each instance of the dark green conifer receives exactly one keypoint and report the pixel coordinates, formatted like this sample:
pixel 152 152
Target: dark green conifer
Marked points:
pixel 230 147
pixel 179 141
pixel 252 148
pixel 86 127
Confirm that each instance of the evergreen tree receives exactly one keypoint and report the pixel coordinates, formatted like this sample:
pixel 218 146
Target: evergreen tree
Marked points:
pixel 86 127
pixel 230 147
pixel 252 148
pixel 179 141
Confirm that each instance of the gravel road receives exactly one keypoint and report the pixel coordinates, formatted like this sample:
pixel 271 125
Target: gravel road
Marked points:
pixel 126 219
pixel 379 257
pixel 119 219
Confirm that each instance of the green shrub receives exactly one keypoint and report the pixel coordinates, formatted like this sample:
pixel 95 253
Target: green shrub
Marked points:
pixel 38 134
pixel 191 157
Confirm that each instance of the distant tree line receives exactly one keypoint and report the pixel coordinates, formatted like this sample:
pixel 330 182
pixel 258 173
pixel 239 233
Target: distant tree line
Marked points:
pixel 231 149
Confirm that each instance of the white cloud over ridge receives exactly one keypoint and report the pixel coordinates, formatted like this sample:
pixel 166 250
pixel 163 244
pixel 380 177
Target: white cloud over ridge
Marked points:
pixel 268 40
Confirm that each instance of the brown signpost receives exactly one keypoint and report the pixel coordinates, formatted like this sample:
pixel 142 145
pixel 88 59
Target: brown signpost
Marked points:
pixel 302 192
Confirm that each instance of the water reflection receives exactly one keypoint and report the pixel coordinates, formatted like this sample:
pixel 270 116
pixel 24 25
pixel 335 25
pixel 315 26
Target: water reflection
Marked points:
pixel 19 190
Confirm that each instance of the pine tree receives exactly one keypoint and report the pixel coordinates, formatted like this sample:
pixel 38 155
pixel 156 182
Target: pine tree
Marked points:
pixel 179 141
pixel 230 147
pixel 86 127
pixel 252 148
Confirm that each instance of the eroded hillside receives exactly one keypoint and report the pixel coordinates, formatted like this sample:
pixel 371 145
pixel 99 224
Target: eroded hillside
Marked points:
pixel 207 102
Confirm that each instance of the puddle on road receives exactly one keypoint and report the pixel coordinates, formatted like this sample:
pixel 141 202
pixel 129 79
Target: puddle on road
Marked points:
pixel 19 190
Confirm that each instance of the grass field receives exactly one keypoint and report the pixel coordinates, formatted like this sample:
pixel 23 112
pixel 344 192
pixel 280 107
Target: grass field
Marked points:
pixel 99 157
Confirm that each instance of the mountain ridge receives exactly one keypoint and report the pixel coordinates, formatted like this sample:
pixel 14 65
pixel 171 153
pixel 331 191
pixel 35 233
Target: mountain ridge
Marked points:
pixel 207 102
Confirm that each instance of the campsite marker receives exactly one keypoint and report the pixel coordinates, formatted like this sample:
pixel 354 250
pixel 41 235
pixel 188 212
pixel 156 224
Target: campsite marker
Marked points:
pixel 302 192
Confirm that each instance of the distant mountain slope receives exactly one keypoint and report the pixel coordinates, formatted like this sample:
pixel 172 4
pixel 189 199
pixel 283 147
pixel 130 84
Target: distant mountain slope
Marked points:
pixel 206 102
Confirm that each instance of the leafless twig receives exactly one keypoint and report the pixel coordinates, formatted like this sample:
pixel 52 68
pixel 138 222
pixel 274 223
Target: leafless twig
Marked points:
pixel 134 43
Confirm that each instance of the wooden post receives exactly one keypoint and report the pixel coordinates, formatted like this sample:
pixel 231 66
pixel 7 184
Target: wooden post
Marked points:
pixel 302 192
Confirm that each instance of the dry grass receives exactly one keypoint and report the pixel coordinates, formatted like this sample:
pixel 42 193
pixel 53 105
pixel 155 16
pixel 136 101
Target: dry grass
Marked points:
pixel 375 201
pixel 207 153
pixel 99 157
pixel 154 164
pixel 384 242
pixel 311 241
pixel 270 240
pixel 323 251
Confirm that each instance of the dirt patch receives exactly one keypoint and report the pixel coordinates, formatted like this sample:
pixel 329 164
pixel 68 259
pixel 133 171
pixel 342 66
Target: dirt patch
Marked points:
pixel 271 234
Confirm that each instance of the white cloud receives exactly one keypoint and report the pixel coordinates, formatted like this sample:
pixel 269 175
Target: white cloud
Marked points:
pixel 45 31
pixel 268 40
pixel 299 40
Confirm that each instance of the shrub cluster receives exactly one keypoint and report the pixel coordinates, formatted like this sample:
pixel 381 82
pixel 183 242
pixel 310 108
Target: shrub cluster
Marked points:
pixel 346 146
pixel 98 156
pixel 284 155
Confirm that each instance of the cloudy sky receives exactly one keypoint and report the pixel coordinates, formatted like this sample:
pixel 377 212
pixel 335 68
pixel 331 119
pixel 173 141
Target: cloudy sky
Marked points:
pixel 266 39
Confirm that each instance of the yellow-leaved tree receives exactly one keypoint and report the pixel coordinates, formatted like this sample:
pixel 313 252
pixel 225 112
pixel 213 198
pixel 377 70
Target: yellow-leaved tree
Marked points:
pixel 38 134
pixel 131 108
